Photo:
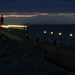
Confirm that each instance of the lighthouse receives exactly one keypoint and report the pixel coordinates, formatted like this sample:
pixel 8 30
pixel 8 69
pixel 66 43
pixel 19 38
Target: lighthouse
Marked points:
pixel 2 20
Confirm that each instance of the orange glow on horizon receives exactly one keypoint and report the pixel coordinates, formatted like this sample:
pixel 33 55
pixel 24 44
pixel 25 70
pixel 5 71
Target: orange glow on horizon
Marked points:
pixel 44 14
pixel 19 15
pixel 72 15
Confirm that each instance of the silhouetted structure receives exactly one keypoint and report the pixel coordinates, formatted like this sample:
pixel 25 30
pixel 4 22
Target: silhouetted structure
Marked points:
pixel 2 20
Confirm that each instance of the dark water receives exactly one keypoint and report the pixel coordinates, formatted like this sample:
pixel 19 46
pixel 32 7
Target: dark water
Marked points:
pixel 65 38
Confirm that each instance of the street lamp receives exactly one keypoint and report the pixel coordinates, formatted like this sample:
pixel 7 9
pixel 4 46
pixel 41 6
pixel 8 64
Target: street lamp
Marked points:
pixel 71 35
pixel 59 34
pixel 52 36
pixel 52 33
pixel 26 31
pixel 25 26
pixel 71 39
pixel 59 45
pixel 45 34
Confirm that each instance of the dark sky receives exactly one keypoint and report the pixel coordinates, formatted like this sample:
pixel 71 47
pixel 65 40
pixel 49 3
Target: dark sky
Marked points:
pixel 25 7
pixel 37 6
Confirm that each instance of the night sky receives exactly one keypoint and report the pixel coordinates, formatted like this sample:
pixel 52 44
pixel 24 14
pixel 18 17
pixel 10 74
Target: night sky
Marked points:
pixel 38 11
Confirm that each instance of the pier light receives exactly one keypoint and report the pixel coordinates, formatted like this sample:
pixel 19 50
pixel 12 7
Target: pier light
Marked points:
pixel 26 34
pixel 52 37
pixel 71 35
pixel 60 34
pixel 26 26
pixel 52 33
pixel 71 40
pixel 25 29
pixel 45 32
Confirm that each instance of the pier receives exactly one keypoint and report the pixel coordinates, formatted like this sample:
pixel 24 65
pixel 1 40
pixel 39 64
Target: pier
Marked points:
pixel 22 51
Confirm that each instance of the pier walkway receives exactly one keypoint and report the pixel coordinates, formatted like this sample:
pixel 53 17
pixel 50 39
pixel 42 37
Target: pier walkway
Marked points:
pixel 29 57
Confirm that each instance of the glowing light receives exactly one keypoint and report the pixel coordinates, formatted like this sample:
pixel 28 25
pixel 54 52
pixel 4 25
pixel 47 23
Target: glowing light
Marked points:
pixel 44 14
pixel 25 26
pixel 4 26
pixel 25 29
pixel 13 26
pixel 60 34
pixel 71 35
pixel 20 15
pixel 45 32
pixel 26 34
pixel 51 32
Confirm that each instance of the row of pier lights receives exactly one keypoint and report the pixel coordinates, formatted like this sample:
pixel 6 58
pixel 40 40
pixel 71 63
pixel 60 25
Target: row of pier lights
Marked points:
pixel 26 31
pixel 59 33
pixel 60 36
pixel 27 36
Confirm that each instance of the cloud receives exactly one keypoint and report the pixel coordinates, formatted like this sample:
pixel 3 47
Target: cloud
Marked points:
pixel 44 14
pixel 19 15
pixel 72 15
